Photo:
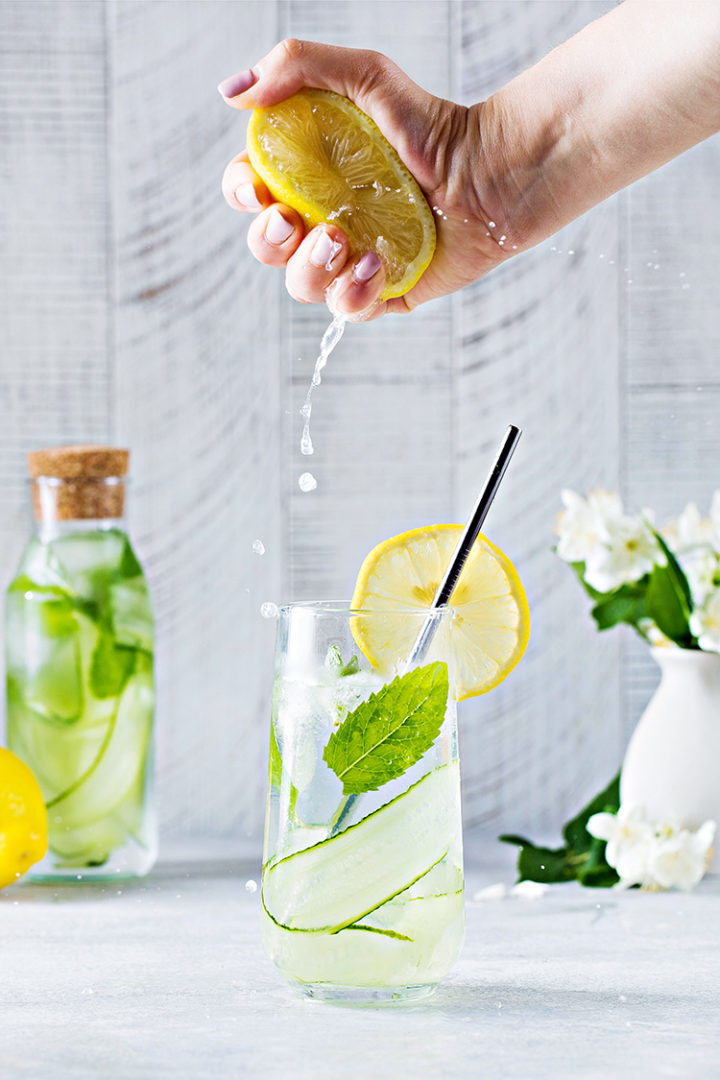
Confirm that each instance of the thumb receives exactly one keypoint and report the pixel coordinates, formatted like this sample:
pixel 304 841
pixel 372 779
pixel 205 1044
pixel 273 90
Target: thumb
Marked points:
pixel 406 114
pixel 294 64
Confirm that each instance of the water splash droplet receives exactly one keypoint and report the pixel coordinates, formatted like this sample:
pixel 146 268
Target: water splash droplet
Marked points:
pixel 258 547
pixel 250 886
pixel 307 482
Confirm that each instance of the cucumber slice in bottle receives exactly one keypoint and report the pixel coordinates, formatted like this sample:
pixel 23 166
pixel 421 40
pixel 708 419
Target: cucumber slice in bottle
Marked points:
pixel 119 760
pixel 90 845
pixel 343 878
pixel 57 753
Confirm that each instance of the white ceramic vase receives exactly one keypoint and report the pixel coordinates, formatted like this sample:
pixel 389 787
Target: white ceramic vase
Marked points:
pixel 672 764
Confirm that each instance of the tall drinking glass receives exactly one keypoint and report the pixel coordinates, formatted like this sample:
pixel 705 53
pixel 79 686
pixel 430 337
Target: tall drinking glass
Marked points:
pixel 362 891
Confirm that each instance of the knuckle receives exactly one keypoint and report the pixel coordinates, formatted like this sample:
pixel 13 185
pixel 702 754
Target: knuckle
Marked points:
pixel 378 63
pixel 292 47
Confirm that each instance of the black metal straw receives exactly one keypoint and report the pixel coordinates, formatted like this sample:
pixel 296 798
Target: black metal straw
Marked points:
pixel 466 541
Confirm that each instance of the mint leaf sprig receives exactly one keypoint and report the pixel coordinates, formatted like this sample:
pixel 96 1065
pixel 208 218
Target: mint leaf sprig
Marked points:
pixel 387 734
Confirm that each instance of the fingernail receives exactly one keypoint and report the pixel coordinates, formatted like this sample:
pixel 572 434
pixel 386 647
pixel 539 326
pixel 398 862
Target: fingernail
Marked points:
pixel 277 229
pixel 324 251
pixel 245 195
pixel 366 268
pixel 237 84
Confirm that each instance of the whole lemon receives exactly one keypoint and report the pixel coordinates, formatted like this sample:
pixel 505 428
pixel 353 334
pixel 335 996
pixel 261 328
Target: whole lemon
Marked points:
pixel 23 819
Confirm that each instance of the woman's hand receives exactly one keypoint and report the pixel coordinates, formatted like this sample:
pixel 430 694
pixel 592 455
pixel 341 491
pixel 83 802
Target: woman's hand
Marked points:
pixel 438 141
pixel 627 93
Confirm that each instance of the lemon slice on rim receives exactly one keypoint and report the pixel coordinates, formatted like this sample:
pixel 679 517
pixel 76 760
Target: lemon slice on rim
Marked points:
pixel 490 623
pixel 317 152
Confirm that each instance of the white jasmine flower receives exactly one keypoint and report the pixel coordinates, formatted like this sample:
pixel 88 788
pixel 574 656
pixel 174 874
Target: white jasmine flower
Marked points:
pixel 654 856
pixel 696 542
pixel 689 529
pixel 628 550
pixel 679 857
pixel 628 836
pixel 702 570
pixel 705 622
pixel 580 526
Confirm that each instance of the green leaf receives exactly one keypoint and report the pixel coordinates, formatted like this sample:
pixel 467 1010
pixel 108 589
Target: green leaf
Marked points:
pixel 387 734
pixel 582 858
pixel 669 600
pixel 111 666
pixel 681 581
pixel 129 566
pixel 334 661
pixel 625 605
pixel 575 833
pixel 275 759
pixel 594 872
pixel 548 865
pixel 352 666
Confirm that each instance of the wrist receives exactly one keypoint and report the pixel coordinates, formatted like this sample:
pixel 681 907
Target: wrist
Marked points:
pixel 526 157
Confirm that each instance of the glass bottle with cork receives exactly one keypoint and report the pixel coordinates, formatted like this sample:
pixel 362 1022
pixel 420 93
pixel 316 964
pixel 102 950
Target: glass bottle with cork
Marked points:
pixel 79 666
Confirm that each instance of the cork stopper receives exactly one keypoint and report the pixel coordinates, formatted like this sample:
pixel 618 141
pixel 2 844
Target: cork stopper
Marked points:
pixel 71 483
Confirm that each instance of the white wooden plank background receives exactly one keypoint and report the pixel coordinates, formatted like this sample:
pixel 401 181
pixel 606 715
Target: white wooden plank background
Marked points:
pixel 131 310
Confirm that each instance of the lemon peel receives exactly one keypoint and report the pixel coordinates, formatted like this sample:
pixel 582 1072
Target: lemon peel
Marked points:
pixel 23 819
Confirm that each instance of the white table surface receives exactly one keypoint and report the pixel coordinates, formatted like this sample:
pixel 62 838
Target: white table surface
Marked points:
pixel 166 978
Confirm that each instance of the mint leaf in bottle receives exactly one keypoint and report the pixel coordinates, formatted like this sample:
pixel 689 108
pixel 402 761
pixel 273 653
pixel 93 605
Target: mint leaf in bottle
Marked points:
pixel 111 666
pixel 387 734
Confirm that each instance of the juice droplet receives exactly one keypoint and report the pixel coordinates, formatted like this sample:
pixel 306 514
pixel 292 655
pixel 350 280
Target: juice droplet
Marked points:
pixel 268 610
pixel 258 547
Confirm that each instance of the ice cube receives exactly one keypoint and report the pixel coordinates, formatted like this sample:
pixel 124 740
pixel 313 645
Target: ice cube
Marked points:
pixel 90 560
pixel 43 653
pixel 40 566
pixel 131 614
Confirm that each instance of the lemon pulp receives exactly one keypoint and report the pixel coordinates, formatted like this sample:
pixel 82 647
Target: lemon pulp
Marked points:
pixel 321 155
pixel 489 626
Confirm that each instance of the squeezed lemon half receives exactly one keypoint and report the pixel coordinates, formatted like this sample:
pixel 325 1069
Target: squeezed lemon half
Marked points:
pixel 321 155
pixel 490 625
pixel 23 819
